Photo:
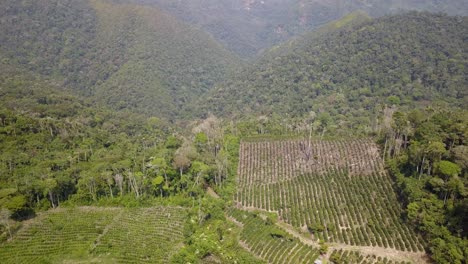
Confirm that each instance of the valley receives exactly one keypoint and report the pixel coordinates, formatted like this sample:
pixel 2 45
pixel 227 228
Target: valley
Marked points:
pixel 232 131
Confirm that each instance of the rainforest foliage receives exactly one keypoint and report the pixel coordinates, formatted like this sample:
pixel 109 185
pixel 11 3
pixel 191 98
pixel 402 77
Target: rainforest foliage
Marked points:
pixel 57 147
pixel 428 155
pixel 131 103
pixel 126 56
pixel 247 27
pixel 350 73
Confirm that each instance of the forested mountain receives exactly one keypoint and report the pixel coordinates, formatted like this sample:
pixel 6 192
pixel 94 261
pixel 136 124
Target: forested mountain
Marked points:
pixel 351 72
pixel 124 55
pixel 249 26
pixel 55 145
pixel 154 104
pixel 427 153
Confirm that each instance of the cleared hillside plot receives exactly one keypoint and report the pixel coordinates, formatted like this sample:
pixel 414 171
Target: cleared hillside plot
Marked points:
pixel 336 190
pixel 269 242
pixel 114 235
pixel 346 256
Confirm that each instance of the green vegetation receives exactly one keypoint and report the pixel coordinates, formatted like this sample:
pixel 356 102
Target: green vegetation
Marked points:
pixel 427 154
pixel 249 26
pixel 343 80
pixel 345 256
pixel 210 237
pixel 100 234
pixel 332 189
pixel 55 145
pixel 102 160
pixel 269 242
pixel 125 56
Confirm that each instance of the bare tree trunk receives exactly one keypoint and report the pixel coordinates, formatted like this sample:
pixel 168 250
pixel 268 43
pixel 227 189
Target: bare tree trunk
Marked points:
pixel 422 167
pixel 132 184
pixel 110 190
pixel 51 197
pixel 323 133
pixel 385 148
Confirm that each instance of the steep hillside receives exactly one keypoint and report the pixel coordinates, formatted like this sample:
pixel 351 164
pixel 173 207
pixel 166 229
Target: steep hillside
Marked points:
pixel 249 26
pixel 352 72
pixel 124 55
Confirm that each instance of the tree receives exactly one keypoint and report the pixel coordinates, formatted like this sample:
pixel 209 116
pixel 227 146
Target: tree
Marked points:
pixel 460 156
pixel 12 201
pixel 157 184
pixel 198 170
pixel 445 252
pixel 182 156
pixel 434 151
pixel 160 165
pixel 5 215
pixel 200 141
pixel 448 169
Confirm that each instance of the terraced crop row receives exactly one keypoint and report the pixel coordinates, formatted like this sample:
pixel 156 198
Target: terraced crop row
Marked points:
pixel 144 236
pixel 269 242
pixel 112 234
pixel 337 190
pixel 268 162
pixel 346 256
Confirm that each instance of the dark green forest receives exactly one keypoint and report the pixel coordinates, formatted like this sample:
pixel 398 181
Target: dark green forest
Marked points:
pixel 347 76
pixel 427 154
pixel 140 103
pixel 125 56
pixel 248 27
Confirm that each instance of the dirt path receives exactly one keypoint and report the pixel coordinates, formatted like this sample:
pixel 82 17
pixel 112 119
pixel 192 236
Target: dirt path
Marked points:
pixel 106 229
pixel 293 232
pixel 212 193
pixel 390 253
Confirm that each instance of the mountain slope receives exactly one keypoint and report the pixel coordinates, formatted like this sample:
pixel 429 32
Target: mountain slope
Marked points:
pixel 353 71
pixel 249 26
pixel 125 55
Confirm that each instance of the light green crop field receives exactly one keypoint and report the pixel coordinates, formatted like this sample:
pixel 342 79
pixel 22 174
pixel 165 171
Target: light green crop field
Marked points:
pixel 98 235
pixel 269 242
pixel 339 190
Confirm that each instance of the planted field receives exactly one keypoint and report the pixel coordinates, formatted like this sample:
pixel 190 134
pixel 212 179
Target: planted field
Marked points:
pixel 336 190
pixel 96 235
pixel 345 256
pixel 270 242
pixel 144 236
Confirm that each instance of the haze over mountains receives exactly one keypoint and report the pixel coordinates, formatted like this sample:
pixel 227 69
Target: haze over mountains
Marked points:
pixel 174 104
pixel 139 55
pixel 351 70
pixel 249 26
pixel 126 56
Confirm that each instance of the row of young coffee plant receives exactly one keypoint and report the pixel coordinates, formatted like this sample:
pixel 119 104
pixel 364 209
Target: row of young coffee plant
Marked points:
pixel 333 201
pixel 265 162
pixel 112 234
pixel 346 257
pixel 269 242
pixel 146 235
pixel 57 235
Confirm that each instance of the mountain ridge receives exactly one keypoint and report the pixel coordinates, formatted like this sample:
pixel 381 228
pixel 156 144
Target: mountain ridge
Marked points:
pixel 394 59
pixel 129 56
